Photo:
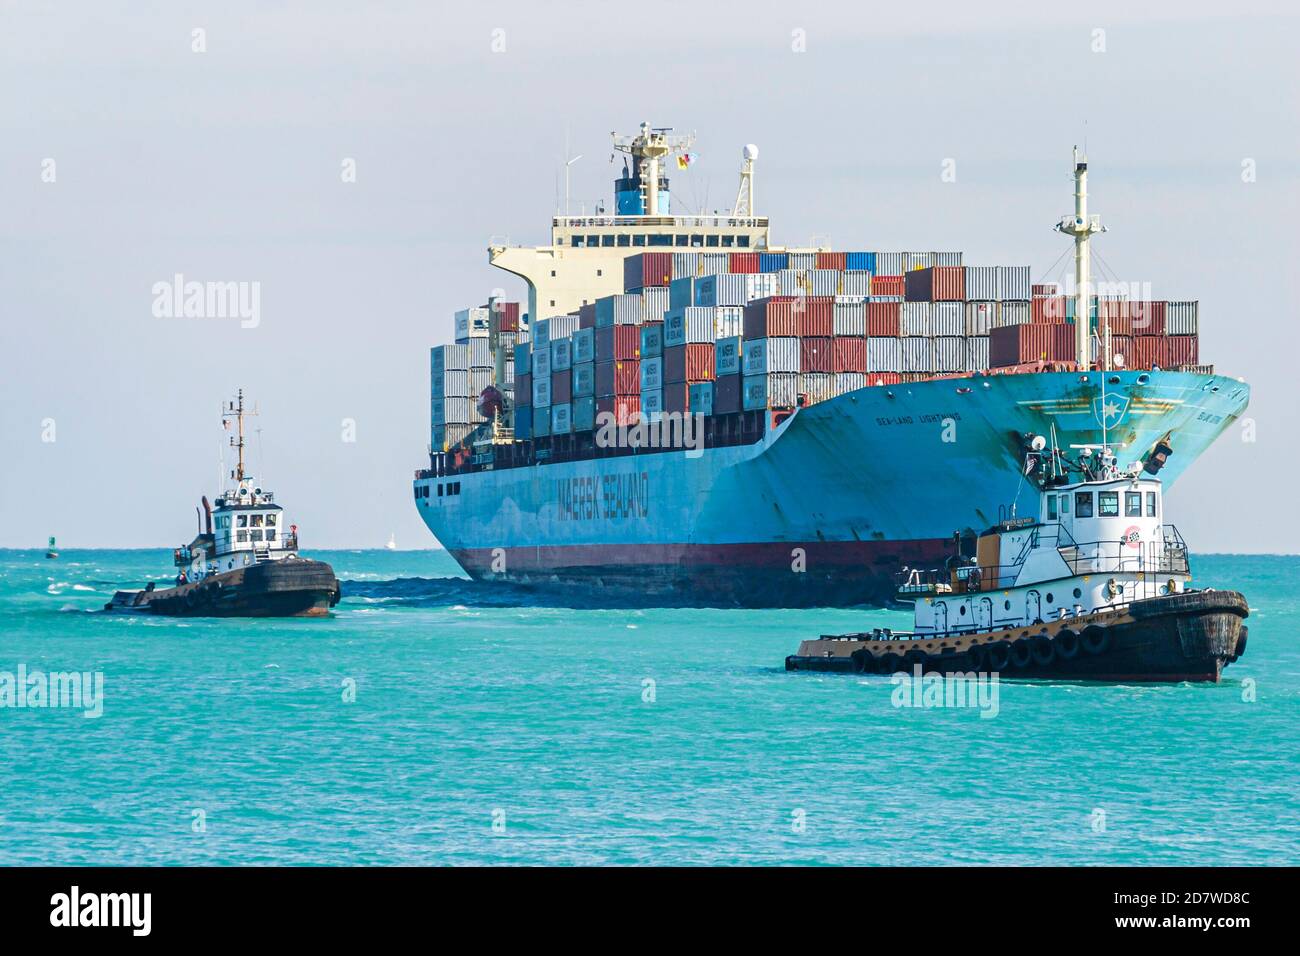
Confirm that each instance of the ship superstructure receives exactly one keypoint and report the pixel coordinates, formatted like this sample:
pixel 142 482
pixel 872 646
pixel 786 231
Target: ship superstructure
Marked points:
pixel 826 405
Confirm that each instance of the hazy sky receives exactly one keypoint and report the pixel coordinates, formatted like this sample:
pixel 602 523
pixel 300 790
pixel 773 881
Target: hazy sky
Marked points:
pixel 225 165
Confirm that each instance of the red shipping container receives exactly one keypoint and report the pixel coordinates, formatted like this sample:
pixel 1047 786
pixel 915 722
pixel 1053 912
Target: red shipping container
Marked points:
pixel 817 315
pixel 884 378
pixel 561 387
pixel 618 343
pixel 1121 345
pixel 1148 317
pixel 727 394
pixel 587 316
pixel 936 284
pixel 1036 342
pixel 618 378
pixel 647 268
pixel 815 355
pixel 887 285
pixel 743 262
pixel 884 318
pixel 1047 310
pixel 1149 351
pixel 524 388
pixel 623 407
pixel 1113 314
pixel 850 354
pixel 694 362
pixel 507 316
pixel 677 397
pixel 1184 350
pixel 1044 288
pixel 832 260
pixel 771 316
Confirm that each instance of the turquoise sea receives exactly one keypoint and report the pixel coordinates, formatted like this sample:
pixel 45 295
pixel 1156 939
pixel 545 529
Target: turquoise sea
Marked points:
pixel 490 726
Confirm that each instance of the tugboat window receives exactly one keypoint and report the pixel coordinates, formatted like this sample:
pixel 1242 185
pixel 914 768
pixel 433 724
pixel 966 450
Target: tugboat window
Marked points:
pixel 1065 504
pixel 1133 504
pixel 1108 504
pixel 241 521
pixel 270 520
pixel 1083 504
pixel 241 535
pixel 257 523
pixel 1151 504
pixel 1051 507
pixel 257 534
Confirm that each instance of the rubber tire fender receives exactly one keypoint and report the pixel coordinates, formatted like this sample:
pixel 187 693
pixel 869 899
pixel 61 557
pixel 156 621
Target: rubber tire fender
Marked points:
pixel 998 656
pixel 1041 652
pixel 1067 645
pixel 977 657
pixel 1021 654
pixel 1095 640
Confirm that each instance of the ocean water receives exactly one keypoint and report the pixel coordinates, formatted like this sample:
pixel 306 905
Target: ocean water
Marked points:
pixel 492 727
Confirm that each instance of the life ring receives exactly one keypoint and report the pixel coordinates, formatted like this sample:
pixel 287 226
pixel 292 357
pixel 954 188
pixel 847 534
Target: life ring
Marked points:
pixel 1021 654
pixel 1042 652
pixel 998 655
pixel 1067 645
pixel 1095 640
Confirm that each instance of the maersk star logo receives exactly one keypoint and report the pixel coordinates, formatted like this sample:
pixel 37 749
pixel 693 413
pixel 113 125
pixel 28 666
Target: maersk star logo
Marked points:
pixel 1110 410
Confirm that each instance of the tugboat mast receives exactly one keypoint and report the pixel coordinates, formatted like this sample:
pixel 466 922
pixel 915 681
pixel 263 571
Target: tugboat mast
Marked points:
pixel 1082 227
pixel 235 411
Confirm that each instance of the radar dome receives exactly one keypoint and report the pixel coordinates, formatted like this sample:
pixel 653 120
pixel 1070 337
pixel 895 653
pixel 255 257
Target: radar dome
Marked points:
pixel 751 152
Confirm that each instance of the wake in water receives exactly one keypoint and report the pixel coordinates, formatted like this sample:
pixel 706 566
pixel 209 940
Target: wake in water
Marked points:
pixel 449 592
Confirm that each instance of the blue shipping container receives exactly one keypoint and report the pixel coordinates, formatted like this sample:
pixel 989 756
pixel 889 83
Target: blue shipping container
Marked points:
pixel 861 261
pixel 773 261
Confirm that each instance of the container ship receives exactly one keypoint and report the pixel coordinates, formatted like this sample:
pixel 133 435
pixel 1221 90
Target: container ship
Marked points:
pixel 683 412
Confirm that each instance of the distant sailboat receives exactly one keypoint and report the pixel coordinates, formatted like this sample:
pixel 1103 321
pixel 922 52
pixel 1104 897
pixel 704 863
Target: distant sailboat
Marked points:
pixel 391 546
pixel 51 552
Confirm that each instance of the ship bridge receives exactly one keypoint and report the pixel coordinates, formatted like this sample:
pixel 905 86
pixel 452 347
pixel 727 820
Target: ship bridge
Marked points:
pixel 584 260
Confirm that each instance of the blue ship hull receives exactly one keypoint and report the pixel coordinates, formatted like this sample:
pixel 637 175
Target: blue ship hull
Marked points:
pixel 828 506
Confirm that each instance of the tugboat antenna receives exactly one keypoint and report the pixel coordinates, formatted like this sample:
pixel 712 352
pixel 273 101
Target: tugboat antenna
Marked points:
pixel 235 411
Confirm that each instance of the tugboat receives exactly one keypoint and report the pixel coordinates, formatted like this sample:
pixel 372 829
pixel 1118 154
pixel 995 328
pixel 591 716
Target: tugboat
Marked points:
pixel 243 562
pixel 1095 587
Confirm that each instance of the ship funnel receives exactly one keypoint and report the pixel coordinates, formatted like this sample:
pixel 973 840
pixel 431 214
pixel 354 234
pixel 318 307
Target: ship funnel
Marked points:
pixel 207 511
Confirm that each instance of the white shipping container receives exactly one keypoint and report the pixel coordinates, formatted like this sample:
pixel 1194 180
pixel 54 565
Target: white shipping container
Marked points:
pixel 916 318
pixel 562 326
pixel 889 263
pixel 690 325
pixel 846 382
pixel 1013 313
pixel 623 308
pixel 917 355
pixel 855 282
pixel 472 323
pixel 817 386
pixel 479 379
pixel 946 258
pixel 792 282
pixel 848 317
pixel 823 282
pixel 1182 318
pixel 448 356
pixel 949 354
pixel 982 283
pixel 713 263
pixel 685 264
pixel 1013 283
pixel 728 320
pixel 726 355
pixel 652 375
pixel 760 285
pixel 480 356
pixel 541 391
pixel 884 354
pixel 947 318
pixel 980 317
pixel 977 353
pixel 764 356
pixel 802 261
pixel 654 303
pixel 917 260
pixel 452 410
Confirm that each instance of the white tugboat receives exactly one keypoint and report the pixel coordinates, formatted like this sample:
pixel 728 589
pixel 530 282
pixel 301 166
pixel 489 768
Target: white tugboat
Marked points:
pixel 244 561
pixel 1094 587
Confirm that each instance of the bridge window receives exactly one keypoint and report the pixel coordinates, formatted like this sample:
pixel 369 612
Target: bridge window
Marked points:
pixel 1083 504
pixel 1133 504
pixel 257 534
pixel 728 240
pixel 241 536
pixel 241 521
pixel 661 240
pixel 593 240
pixel 742 241
pixel 1065 505
pixel 638 240
pixel 682 240
pixel 625 240
pixel 1151 504
pixel 606 240
pixel 257 522
pixel 1108 504
pixel 1051 507
pixel 710 240
pixel 576 242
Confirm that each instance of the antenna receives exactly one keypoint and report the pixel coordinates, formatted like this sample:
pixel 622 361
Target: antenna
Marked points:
pixel 649 148
pixel 235 411
pixel 745 195
pixel 1082 227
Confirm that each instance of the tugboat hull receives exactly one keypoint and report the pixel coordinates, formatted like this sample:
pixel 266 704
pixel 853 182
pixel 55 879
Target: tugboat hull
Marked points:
pixel 1190 636
pixel 290 587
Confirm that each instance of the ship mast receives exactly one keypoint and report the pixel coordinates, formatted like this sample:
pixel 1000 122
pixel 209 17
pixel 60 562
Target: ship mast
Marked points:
pixel 1082 227
pixel 235 411
pixel 648 149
